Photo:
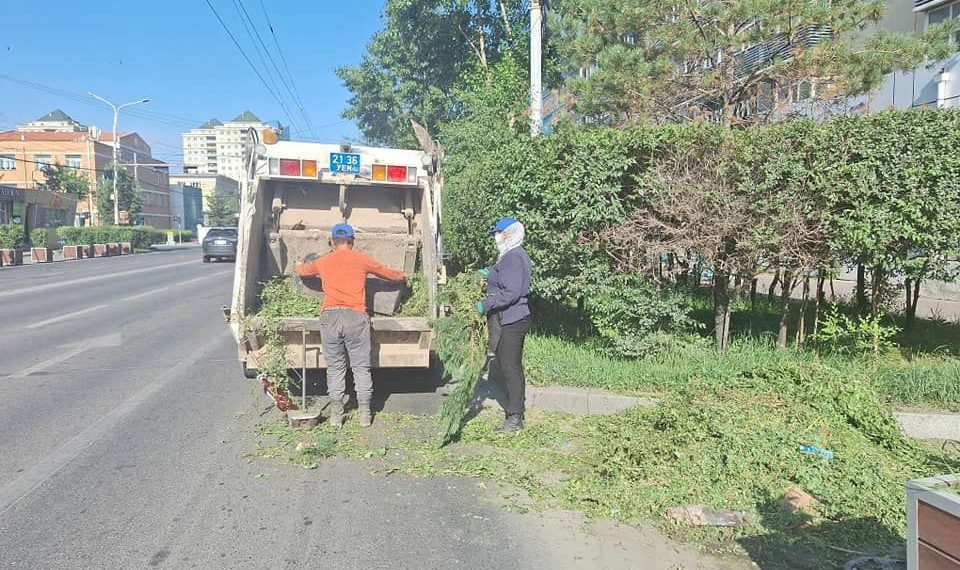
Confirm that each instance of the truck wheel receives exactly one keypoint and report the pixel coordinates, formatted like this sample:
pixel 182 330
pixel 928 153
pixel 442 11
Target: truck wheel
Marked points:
pixel 206 259
pixel 250 373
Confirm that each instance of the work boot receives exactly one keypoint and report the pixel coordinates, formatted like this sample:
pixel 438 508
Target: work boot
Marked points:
pixel 364 416
pixel 336 414
pixel 512 424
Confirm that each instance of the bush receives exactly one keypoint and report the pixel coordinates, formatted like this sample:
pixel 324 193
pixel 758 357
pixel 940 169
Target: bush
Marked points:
pixel 139 237
pixel 11 236
pixel 867 333
pixel 38 237
pixel 632 318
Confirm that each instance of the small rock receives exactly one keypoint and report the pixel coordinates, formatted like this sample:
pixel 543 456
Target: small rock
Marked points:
pixel 700 515
pixel 797 500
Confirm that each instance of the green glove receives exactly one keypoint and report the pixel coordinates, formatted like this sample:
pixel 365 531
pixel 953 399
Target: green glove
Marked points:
pixel 484 272
pixel 480 308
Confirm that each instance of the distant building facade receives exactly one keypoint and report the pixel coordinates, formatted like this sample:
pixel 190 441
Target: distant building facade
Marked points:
pixel 56 138
pixel 208 184
pixel 217 148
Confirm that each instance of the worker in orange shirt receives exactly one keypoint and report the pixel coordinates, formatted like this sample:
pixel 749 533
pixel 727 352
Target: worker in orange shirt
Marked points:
pixel 344 323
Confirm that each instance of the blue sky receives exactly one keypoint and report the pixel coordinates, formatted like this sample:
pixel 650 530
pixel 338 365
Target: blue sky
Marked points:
pixel 176 53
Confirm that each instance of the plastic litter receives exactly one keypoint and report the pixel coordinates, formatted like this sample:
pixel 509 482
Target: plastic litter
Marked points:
pixel 814 450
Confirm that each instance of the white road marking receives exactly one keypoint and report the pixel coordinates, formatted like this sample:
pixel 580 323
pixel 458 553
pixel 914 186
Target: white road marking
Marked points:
pixel 63 356
pixel 32 478
pixel 146 293
pixel 64 317
pixel 75 348
pixel 48 286
pixel 162 289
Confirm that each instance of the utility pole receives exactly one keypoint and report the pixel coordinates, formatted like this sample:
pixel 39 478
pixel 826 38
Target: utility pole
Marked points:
pixel 536 90
pixel 116 150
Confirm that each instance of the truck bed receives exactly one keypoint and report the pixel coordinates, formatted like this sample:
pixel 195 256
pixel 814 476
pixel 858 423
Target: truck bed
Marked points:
pixel 397 342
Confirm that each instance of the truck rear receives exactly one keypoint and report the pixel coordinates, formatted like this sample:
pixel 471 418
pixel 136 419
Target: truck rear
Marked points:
pixel 295 194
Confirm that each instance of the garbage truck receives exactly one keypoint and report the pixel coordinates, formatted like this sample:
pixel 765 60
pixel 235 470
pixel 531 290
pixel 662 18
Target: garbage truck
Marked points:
pixel 294 194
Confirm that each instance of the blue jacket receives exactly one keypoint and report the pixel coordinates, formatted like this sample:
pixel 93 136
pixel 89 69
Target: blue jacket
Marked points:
pixel 508 286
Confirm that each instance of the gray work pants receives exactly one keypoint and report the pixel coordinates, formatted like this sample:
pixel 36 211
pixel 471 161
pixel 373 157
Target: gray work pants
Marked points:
pixel 345 335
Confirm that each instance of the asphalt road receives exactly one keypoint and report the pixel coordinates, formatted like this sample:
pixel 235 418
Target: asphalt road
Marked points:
pixel 125 429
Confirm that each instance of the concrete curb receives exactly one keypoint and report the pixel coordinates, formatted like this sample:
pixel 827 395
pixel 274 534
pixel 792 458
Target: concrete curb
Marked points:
pixel 930 425
pixel 589 402
pixel 581 401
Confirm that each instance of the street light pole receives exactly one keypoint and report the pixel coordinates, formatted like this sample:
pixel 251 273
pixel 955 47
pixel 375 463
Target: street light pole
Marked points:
pixel 116 150
pixel 536 90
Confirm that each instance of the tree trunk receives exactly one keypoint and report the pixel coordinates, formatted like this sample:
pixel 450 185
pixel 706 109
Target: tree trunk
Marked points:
pixel 771 291
pixel 916 297
pixel 876 278
pixel 753 294
pixel 912 287
pixel 861 293
pixel 721 309
pixel 802 324
pixel 785 290
pixel 817 305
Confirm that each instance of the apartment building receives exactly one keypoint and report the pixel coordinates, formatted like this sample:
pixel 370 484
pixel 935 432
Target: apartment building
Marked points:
pixel 934 84
pixel 208 184
pixel 56 138
pixel 217 148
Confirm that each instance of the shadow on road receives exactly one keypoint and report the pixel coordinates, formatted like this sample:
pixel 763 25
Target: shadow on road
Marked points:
pixel 797 545
pixel 394 389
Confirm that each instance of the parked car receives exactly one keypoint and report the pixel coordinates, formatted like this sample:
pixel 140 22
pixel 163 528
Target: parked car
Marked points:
pixel 220 243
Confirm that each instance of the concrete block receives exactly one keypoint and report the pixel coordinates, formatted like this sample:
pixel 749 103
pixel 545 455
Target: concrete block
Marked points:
pixel 930 425
pixel 555 399
pixel 602 403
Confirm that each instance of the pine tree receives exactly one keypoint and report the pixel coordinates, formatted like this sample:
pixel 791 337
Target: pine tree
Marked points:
pixel 732 62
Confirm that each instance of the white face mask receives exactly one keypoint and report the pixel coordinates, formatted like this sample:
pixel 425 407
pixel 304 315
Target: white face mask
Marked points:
pixel 501 242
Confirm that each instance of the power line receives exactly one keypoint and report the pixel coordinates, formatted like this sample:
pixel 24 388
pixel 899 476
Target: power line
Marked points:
pixel 249 62
pixel 153 116
pixel 286 67
pixel 257 40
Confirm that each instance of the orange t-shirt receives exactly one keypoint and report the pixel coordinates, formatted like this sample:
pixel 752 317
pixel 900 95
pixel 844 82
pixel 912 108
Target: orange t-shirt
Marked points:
pixel 344 276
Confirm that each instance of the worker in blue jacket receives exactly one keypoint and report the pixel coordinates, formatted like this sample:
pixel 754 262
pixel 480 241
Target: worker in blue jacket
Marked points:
pixel 508 313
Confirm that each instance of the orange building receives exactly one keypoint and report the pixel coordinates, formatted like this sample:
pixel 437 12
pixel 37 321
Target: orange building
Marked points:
pixel 58 139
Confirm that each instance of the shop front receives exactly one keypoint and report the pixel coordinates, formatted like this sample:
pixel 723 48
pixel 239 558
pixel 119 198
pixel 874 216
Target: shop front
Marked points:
pixel 36 208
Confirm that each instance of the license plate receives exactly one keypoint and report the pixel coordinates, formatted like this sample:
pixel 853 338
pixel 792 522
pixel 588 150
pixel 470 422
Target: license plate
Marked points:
pixel 345 162
pixel 219 242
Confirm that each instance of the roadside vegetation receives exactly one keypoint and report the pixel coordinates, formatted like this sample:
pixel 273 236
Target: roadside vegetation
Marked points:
pixel 650 215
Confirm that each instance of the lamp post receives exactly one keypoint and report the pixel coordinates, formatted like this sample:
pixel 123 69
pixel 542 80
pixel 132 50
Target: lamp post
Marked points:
pixel 116 149
pixel 536 91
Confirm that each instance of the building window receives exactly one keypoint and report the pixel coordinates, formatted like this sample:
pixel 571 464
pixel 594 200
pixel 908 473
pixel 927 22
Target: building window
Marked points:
pixel 7 162
pixel 943 14
pixel 41 161
pixel 71 160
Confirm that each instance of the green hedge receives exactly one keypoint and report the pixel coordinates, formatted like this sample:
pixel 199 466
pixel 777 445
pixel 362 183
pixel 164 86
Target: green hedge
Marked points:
pixel 11 236
pixel 140 237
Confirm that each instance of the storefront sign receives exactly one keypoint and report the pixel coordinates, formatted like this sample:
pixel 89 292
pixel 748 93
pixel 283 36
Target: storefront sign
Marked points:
pixel 11 192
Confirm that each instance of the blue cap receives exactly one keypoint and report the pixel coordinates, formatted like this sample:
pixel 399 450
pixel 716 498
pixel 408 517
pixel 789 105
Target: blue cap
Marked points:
pixel 502 224
pixel 341 231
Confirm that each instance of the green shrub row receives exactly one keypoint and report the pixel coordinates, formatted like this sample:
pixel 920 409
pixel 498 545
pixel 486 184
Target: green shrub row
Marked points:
pixel 881 190
pixel 139 237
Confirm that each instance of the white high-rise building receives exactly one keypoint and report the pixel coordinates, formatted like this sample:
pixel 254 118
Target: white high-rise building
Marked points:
pixel 217 148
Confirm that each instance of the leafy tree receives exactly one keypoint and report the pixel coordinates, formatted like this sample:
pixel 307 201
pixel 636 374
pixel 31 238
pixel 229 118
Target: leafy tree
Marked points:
pixel 741 61
pixel 66 180
pixel 222 210
pixel 130 199
pixel 890 183
pixel 412 66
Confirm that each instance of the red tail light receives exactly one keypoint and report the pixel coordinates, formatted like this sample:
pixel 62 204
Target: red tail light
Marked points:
pixel 289 167
pixel 396 173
